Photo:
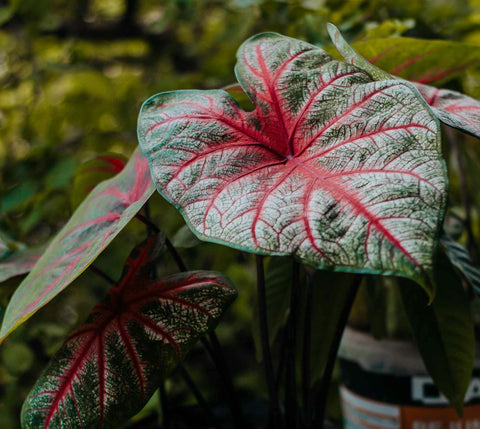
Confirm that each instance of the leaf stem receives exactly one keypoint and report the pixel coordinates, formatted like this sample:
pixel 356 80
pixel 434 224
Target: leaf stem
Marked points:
pixel 332 354
pixel 307 336
pixel 274 411
pixel 198 396
pixel 291 402
pixel 464 194
pixel 216 353
pixel 102 274
pixel 171 248
pixel 176 256
pixel 147 222
pixel 165 406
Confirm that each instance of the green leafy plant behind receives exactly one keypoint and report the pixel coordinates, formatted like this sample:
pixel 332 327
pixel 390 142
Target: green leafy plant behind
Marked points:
pixel 341 171
pixel 108 368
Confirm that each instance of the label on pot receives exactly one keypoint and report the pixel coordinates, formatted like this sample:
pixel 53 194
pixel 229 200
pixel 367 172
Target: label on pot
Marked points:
pixel 361 412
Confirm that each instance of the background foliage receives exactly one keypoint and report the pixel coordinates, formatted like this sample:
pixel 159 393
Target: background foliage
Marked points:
pixel 73 75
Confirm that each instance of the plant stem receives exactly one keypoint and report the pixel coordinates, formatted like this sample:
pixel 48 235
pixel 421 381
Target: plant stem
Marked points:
pixel 274 411
pixel 291 403
pixel 147 222
pixel 471 241
pixel 101 274
pixel 332 354
pixel 165 407
pixel 307 334
pixel 176 257
pixel 170 247
pixel 198 396
pixel 216 353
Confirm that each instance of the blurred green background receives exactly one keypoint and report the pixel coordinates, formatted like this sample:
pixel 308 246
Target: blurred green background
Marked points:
pixel 73 75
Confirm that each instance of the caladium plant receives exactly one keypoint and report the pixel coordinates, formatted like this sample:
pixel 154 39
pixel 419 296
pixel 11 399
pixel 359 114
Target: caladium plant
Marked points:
pixel 336 163
pixel 109 367
pixel 340 170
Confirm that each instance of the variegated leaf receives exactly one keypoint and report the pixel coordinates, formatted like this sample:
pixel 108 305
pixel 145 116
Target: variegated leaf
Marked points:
pixel 331 166
pixel 96 222
pixel 452 108
pixel 109 367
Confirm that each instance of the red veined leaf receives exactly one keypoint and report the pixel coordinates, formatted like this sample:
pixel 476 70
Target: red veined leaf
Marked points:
pixel 20 262
pixel 109 367
pixel 452 108
pixel 92 172
pixel 96 222
pixel 331 166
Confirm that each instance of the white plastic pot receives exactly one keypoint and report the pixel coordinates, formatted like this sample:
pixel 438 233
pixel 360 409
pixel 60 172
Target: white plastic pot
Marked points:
pixel 385 386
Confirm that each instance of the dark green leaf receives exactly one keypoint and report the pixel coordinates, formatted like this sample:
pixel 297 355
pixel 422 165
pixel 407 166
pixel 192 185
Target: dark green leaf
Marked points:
pixel 460 258
pixel 443 331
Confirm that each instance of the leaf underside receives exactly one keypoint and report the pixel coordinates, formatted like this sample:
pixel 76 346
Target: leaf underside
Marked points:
pixel 96 222
pixel 109 367
pixel 332 167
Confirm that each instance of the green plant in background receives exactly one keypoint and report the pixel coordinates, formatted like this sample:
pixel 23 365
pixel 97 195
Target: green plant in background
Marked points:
pixel 338 165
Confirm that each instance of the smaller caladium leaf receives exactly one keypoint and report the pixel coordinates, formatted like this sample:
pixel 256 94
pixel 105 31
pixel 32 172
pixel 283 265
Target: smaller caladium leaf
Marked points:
pixel 90 173
pixel 96 222
pixel 452 108
pixel 331 166
pixel 20 262
pixel 460 259
pixel 109 367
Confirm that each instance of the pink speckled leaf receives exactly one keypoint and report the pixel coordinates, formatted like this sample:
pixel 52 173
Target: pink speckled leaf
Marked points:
pixel 340 170
pixel 109 367
pixel 452 108
pixel 96 222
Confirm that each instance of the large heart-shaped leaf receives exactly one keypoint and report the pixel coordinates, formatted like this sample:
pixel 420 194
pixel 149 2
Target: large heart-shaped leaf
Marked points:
pixel 96 222
pixel 452 108
pixel 109 367
pixel 331 166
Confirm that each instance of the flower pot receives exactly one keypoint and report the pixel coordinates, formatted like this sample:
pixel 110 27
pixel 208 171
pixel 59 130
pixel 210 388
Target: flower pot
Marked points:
pixel 385 385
